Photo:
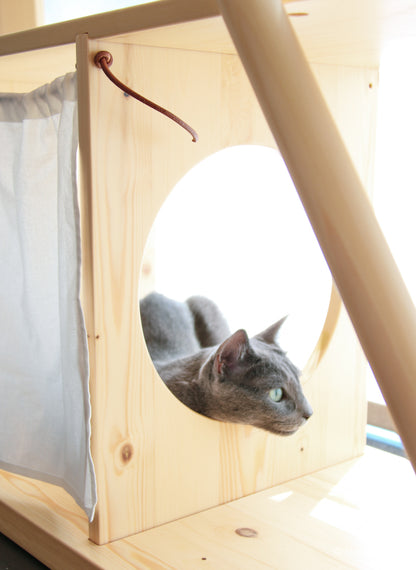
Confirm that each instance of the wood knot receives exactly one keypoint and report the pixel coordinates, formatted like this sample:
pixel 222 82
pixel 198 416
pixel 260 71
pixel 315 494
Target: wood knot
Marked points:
pixel 126 453
pixel 247 532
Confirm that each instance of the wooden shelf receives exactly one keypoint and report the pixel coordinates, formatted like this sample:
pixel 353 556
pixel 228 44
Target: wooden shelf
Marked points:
pixel 348 516
pixel 358 514
pixel 332 32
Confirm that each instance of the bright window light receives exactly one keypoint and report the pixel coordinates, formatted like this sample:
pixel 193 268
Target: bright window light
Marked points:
pixel 395 173
pixel 60 10
pixel 234 230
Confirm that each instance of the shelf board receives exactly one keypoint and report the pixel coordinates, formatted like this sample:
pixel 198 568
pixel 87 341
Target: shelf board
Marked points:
pixel 353 515
pixel 331 31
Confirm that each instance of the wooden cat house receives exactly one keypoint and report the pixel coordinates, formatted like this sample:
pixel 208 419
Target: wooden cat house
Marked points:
pixel 235 72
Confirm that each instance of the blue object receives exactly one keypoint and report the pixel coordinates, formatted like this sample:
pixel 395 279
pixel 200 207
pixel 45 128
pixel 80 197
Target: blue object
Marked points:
pixel 385 439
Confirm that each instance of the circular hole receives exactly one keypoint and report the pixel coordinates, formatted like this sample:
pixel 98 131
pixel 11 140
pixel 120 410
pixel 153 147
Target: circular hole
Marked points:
pixel 233 229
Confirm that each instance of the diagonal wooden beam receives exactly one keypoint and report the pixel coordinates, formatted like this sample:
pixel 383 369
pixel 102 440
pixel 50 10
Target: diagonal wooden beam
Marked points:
pixel 364 270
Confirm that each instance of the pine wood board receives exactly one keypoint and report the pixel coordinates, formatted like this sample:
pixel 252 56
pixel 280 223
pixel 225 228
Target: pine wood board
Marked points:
pixel 15 17
pixel 331 31
pixel 142 481
pixel 142 437
pixel 355 515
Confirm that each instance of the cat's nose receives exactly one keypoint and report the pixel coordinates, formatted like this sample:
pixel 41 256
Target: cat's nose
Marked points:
pixel 307 411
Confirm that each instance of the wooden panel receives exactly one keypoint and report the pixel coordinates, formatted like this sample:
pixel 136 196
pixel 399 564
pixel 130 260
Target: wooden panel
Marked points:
pixel 345 33
pixel 330 519
pixel 22 72
pixel 23 15
pixel 379 415
pixel 150 463
pixel 130 19
pixel 331 31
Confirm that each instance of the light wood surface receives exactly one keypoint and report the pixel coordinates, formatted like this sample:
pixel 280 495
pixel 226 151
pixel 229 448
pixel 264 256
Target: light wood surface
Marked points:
pixel 23 72
pixel 22 15
pixel 146 445
pixel 366 275
pixel 334 32
pixel 355 515
pixel 106 24
pixel 331 31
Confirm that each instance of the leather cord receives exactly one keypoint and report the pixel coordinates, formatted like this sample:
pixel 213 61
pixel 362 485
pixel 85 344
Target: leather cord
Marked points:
pixel 104 59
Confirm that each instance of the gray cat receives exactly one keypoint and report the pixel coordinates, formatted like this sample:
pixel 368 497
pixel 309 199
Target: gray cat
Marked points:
pixel 224 376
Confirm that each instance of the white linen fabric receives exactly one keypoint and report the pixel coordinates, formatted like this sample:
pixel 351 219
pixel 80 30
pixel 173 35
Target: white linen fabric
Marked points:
pixel 44 398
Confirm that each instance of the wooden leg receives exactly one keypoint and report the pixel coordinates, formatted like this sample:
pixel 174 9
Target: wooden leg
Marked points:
pixel 364 270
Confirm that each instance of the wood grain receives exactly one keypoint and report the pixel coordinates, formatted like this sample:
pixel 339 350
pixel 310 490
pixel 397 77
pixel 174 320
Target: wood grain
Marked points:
pixel 16 17
pixel 333 32
pixel 109 23
pixel 350 516
pixel 150 464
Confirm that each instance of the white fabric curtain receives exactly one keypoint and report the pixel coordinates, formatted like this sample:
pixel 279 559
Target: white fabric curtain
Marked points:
pixel 44 399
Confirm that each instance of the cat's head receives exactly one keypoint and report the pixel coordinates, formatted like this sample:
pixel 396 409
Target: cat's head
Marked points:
pixel 253 382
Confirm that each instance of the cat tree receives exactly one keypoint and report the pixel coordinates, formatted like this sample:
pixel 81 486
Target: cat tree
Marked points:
pixel 155 460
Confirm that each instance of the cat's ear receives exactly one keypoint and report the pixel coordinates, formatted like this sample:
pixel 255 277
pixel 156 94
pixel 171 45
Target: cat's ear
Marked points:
pixel 269 335
pixel 231 352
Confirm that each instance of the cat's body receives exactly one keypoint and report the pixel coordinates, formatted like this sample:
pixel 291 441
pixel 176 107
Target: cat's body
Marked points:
pixel 225 377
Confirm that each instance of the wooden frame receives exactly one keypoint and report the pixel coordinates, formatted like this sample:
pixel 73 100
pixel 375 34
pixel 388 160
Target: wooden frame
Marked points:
pixel 139 462
pixel 140 458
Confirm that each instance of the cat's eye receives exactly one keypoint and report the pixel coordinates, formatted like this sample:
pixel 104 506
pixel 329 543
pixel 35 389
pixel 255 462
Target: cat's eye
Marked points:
pixel 276 394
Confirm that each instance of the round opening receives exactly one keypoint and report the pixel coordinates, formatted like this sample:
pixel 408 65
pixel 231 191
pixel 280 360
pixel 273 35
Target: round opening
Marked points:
pixel 234 230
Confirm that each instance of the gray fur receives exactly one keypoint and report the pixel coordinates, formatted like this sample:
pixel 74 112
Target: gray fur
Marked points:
pixel 168 327
pixel 210 326
pixel 225 377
